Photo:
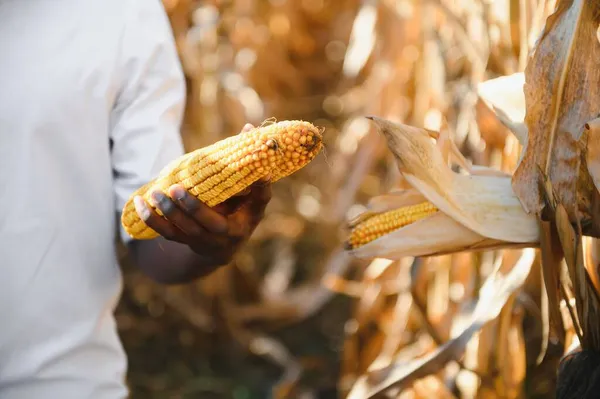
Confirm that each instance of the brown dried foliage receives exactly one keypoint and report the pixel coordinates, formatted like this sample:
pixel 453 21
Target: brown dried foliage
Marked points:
pixel 562 96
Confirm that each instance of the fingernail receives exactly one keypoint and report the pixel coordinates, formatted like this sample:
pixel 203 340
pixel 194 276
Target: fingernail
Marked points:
pixel 141 208
pixel 156 197
pixel 178 193
pixel 161 201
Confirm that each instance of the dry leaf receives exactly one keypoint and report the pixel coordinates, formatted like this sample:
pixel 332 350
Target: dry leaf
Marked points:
pixel 492 296
pixel 592 261
pixel 504 96
pixel 562 83
pixel 585 317
pixel 587 304
pixel 593 151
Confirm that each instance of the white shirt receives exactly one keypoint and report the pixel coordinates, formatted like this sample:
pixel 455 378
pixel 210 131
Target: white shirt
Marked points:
pixel 75 76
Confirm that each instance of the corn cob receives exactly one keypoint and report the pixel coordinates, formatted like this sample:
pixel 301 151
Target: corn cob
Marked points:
pixel 384 223
pixel 215 173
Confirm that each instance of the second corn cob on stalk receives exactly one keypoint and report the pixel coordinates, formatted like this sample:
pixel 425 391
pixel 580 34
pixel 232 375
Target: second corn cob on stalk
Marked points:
pixel 215 173
pixel 384 223
pixel 443 211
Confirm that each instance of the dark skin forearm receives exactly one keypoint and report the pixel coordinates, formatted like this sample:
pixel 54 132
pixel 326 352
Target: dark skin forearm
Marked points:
pixel 170 262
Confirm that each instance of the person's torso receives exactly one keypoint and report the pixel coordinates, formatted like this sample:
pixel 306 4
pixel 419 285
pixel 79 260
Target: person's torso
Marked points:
pixel 57 219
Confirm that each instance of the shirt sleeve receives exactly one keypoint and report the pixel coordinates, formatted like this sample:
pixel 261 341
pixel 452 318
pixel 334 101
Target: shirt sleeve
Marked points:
pixel 147 116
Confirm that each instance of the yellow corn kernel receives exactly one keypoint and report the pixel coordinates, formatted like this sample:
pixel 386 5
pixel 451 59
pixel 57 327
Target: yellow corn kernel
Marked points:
pixel 215 173
pixel 384 223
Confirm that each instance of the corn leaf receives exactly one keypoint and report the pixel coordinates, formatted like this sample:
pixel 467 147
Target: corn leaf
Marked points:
pixel 493 295
pixel 562 83
pixel 504 97
pixel 587 304
pixel 593 151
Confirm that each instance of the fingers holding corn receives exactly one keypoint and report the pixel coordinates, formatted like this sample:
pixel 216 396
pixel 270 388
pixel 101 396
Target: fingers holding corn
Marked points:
pixel 182 215
pixel 215 235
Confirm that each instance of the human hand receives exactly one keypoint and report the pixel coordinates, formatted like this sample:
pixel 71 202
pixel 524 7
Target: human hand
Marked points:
pixel 214 234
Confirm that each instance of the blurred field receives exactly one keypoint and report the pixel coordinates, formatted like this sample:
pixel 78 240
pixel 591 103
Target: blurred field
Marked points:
pixel 293 316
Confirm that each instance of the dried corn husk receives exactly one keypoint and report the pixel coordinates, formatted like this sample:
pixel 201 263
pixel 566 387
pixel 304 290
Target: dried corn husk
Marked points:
pixel 478 211
pixel 505 97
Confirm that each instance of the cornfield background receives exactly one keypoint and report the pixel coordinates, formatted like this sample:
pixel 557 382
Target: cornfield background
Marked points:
pixel 294 316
